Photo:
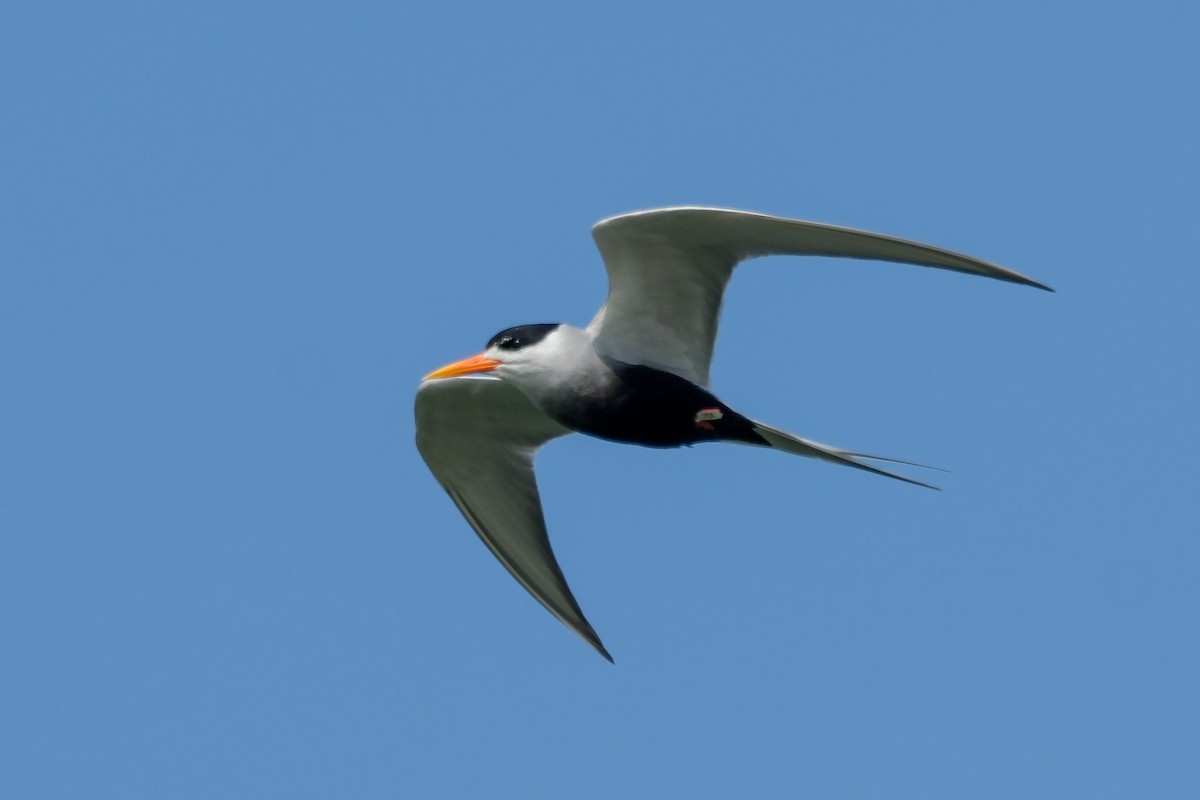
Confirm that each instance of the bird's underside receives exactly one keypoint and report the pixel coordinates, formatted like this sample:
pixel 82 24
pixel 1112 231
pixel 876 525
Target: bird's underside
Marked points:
pixel 637 375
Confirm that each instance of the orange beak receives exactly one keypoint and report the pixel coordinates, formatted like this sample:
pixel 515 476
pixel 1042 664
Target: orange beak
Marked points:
pixel 467 366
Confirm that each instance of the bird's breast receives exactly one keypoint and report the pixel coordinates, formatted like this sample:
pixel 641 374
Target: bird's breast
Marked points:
pixel 646 406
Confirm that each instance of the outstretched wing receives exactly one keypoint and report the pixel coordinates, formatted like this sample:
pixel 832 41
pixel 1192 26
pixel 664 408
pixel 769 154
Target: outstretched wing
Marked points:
pixel 667 271
pixel 479 437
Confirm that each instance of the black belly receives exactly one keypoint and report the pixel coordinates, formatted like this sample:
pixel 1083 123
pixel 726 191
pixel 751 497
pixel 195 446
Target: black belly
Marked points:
pixel 654 408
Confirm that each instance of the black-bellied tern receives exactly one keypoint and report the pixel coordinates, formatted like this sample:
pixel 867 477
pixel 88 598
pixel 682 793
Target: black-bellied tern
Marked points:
pixel 637 374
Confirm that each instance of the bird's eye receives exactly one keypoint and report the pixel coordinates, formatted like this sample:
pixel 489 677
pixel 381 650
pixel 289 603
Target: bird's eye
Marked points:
pixel 509 343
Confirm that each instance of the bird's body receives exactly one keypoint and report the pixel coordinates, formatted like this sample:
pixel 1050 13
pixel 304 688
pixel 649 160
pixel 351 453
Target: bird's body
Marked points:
pixel 638 374
pixel 653 408
pixel 628 403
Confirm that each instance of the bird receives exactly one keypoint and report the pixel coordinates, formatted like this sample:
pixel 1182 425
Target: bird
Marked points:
pixel 637 374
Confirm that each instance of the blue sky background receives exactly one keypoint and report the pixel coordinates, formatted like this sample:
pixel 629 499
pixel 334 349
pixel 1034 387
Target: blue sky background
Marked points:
pixel 234 236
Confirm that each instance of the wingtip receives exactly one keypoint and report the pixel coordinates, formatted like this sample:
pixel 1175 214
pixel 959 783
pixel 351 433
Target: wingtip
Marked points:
pixel 1025 280
pixel 595 642
pixel 584 630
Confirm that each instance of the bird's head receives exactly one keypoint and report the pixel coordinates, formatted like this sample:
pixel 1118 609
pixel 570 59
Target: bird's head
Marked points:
pixel 524 354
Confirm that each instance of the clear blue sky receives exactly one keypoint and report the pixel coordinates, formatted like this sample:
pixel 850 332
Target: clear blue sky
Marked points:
pixel 233 236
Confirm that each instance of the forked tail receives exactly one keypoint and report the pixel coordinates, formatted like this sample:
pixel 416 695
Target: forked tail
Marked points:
pixel 806 447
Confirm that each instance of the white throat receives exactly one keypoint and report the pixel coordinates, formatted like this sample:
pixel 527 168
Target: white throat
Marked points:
pixel 563 364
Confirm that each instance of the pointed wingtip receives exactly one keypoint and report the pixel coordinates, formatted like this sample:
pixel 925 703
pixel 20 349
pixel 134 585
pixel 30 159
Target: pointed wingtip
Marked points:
pixel 595 642
pixel 1025 280
pixel 584 630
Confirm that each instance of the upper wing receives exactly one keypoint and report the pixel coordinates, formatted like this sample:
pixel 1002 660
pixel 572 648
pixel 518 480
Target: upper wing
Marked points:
pixel 479 437
pixel 667 271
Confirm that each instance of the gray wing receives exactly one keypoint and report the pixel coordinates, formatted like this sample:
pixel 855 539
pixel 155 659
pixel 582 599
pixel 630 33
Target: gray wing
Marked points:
pixel 479 437
pixel 667 271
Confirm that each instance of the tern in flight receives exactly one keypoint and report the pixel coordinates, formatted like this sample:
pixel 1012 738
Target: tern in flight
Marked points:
pixel 637 374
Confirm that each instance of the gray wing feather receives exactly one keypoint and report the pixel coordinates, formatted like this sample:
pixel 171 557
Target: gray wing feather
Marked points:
pixel 479 437
pixel 668 268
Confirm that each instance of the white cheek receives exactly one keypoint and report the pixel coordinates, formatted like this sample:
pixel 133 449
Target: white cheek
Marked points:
pixel 564 363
